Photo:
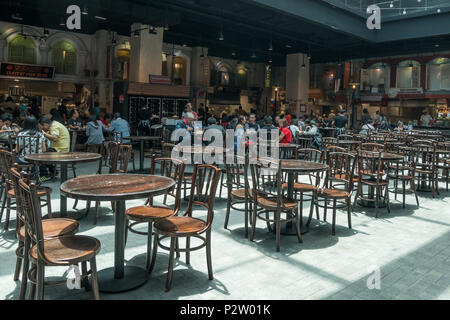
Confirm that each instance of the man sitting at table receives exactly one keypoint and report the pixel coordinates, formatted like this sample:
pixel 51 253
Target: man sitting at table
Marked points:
pixel 214 130
pixel 57 133
pixel 312 130
pixel 120 128
pixel 184 127
pixel 265 132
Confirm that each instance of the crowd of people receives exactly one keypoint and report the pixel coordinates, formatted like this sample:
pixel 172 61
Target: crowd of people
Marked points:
pixel 29 131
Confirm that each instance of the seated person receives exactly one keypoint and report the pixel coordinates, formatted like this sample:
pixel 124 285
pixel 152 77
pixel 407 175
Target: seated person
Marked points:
pixel 94 130
pixel 286 134
pixel 106 120
pixel 57 133
pixel 120 128
pixel 74 122
pixel 212 125
pixel 370 126
pixel 184 127
pixel 265 131
pixel 7 128
pixel 251 124
pixel 30 140
pixel 312 130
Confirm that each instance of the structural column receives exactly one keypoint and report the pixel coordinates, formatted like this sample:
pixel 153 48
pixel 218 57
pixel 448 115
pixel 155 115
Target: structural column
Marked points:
pixel 297 79
pixel 146 53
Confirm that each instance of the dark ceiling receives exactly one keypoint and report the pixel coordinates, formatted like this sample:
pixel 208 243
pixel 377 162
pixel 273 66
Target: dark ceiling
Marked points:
pixel 247 28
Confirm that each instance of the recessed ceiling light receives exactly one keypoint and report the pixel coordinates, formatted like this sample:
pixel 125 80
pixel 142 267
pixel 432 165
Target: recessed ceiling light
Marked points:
pixel 438 10
pixel 436 45
pixel 253 56
pixel 233 53
pixel 288 46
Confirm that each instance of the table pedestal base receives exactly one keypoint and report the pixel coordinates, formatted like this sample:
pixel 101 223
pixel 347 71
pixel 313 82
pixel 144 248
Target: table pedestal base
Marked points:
pixel 288 229
pixel 371 204
pixel 134 277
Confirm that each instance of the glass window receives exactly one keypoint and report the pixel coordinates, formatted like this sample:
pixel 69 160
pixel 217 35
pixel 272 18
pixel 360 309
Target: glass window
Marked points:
pixel 179 67
pixel 408 74
pixel 22 50
pixel 379 77
pixel 64 58
pixel 438 74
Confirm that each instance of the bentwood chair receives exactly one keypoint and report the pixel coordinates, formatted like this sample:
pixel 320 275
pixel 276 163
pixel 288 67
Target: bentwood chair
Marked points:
pixel 67 250
pixel 342 165
pixel 7 160
pixel 425 160
pixel 372 175
pixel 205 179
pixel 444 162
pixel 171 168
pixel 267 193
pixel 51 228
pixel 238 189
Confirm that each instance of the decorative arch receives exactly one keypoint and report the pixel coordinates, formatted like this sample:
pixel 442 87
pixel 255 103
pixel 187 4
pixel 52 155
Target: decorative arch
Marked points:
pixel 379 76
pixel 438 74
pixel 22 50
pixel 64 57
pixel 408 74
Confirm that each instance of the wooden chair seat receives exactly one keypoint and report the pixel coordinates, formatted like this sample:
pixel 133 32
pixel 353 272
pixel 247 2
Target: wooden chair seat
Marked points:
pixel 270 203
pixel 367 172
pixel 240 193
pixel 42 191
pixel 424 171
pixel 68 250
pixel 55 228
pixel 334 194
pixel 374 182
pixel 303 187
pixel 144 213
pixel 344 177
pixel 179 226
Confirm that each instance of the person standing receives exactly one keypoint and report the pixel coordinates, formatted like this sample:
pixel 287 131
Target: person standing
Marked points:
pixel 63 111
pixel 341 123
pixel 426 119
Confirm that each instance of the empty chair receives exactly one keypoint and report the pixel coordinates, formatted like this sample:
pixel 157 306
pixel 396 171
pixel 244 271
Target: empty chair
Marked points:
pixel 67 250
pixel 205 179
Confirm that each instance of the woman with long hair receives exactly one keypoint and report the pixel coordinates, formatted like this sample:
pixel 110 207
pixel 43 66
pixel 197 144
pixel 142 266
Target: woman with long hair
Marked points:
pixel 30 140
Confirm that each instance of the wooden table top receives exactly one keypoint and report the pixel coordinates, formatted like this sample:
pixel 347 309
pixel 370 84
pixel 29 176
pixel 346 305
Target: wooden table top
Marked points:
pixel 348 142
pixel 374 155
pixel 116 187
pixel 63 157
pixel 302 166
pixel 202 149
pixel 144 138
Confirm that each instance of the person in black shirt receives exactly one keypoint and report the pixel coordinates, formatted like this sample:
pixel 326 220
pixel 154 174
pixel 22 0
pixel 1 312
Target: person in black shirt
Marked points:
pixel 268 127
pixel 212 125
pixel 341 123
pixel 74 122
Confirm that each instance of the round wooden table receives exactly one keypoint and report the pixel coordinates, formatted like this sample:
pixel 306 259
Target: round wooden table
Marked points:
pixel 118 188
pixel 63 159
pixel 141 140
pixel 291 167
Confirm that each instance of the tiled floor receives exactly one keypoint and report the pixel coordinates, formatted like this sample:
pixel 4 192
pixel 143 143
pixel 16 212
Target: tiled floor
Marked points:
pixel 411 248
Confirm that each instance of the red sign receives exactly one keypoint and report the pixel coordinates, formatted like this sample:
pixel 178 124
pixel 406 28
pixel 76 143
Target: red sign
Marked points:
pixel 160 80
pixel 26 71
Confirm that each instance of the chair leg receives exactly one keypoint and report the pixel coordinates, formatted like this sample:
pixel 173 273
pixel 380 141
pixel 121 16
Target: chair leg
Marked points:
pixel 311 210
pixel 277 229
pixel 269 227
pixel 155 249
pixel 8 211
pixel 49 206
pixel 75 204
pixel 252 235
pixel 349 215
pixel 40 280
pixel 177 249
pixel 84 274
pixel 32 291
pixel 404 192
pixel 94 279
pixel 413 187
pixel 297 225
pixel 170 269
pixel 325 204
pixel 208 255
pixel 149 244
pixel 97 204
pixel 221 186
pixel 26 264
pixel 227 215
pixel 377 196
pixel 188 254
pixel 333 228
pixel 20 251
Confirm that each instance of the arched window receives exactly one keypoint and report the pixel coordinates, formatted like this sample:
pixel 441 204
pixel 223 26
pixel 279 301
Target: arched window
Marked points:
pixel 224 76
pixel 179 67
pixel 438 74
pixel 408 74
pixel 64 58
pixel 379 75
pixel 22 50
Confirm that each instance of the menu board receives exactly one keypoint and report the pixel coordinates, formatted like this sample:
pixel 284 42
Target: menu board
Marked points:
pixel 26 71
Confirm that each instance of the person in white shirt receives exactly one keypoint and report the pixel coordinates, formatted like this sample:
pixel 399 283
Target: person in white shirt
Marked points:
pixel 368 127
pixel 425 119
